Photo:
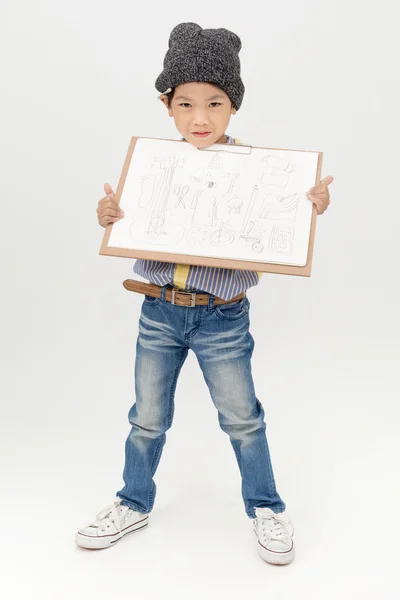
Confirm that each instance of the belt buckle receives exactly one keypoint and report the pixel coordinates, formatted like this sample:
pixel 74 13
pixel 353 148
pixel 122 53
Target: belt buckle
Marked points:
pixel 191 294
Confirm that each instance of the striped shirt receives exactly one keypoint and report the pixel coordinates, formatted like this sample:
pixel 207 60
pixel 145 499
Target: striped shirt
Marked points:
pixel 224 283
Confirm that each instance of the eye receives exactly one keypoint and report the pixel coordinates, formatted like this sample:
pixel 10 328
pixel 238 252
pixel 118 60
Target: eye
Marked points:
pixel 215 104
pixel 185 104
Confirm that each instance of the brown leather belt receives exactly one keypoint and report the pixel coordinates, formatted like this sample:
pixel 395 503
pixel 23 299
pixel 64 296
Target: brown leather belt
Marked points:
pixel 175 296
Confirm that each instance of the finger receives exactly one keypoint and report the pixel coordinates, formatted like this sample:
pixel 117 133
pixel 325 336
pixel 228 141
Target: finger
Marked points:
pixel 108 202
pixel 327 180
pixel 107 199
pixel 105 208
pixel 106 221
pixel 323 193
pixel 317 201
pixel 319 189
pixel 108 189
pixel 320 209
pixel 109 212
pixel 322 185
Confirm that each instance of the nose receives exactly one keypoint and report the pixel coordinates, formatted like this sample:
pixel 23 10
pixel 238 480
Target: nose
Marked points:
pixel 201 117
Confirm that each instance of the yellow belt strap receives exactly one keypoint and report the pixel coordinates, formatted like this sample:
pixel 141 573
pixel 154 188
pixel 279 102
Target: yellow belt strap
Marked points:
pixel 180 276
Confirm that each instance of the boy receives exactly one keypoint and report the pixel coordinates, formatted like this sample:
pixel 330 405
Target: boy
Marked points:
pixel 201 88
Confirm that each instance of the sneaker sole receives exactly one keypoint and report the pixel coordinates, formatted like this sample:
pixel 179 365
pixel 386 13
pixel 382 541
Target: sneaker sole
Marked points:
pixel 106 541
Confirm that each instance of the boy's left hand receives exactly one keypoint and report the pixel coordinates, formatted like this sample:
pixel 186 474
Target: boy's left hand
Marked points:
pixel 319 195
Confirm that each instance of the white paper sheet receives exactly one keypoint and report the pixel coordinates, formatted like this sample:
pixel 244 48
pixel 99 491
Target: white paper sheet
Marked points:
pixel 217 203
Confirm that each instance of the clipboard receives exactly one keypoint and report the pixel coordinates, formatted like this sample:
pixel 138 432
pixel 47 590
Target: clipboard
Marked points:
pixel 229 148
pixel 212 261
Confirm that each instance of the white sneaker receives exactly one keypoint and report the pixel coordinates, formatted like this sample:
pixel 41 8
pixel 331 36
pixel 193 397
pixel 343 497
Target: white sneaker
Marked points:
pixel 274 532
pixel 111 524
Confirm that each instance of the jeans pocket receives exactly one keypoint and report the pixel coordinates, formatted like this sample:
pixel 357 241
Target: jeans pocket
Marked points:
pixel 233 310
pixel 150 300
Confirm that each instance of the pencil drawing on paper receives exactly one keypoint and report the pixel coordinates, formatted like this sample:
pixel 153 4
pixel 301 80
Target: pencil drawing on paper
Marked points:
pixel 219 204
pixel 158 206
pixel 277 172
pixel 281 240
pixel 204 205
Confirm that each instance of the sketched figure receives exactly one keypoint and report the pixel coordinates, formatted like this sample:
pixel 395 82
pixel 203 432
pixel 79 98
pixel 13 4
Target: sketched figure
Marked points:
pixel 213 171
pixel 231 199
pixel 281 240
pixel 197 234
pixel 159 226
pixel 195 199
pixel 276 178
pixel 180 192
pixel 168 165
pixel 279 164
pixel 278 171
pixel 147 187
pixel 198 175
pixel 250 231
pixel 280 207
pixel 249 211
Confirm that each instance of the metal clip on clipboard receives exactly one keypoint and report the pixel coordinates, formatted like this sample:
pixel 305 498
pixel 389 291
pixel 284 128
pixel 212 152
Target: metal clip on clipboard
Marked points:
pixel 232 148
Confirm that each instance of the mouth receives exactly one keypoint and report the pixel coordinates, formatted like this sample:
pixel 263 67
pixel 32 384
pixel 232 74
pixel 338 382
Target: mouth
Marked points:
pixel 201 134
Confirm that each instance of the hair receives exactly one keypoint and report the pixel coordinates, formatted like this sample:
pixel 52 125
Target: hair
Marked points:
pixel 171 95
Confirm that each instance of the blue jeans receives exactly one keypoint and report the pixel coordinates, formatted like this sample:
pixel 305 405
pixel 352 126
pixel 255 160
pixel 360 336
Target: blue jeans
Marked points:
pixel 220 338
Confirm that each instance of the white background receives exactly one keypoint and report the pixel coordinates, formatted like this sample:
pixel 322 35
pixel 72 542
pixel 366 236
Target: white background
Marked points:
pixel 77 82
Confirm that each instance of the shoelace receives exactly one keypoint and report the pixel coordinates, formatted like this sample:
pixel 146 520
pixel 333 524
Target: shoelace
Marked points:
pixel 275 526
pixel 108 516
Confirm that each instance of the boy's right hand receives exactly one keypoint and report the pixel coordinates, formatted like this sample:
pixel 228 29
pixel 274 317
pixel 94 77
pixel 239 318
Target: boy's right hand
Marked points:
pixel 108 210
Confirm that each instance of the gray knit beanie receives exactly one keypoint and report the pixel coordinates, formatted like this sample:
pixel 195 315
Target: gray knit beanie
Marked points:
pixel 208 55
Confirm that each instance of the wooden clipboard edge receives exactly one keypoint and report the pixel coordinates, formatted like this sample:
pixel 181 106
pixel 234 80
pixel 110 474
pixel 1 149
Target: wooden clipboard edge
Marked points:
pixel 104 245
pixel 226 263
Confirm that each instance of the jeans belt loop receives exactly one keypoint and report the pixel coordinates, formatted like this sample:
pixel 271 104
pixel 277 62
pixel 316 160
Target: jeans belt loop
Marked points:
pixel 163 291
pixel 211 302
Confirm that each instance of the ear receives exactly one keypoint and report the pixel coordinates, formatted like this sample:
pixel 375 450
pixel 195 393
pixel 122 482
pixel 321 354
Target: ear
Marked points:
pixel 164 100
pixel 233 110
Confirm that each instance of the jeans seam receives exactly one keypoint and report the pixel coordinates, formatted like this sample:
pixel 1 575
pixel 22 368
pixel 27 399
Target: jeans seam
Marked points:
pixel 157 453
pixel 220 315
pixel 160 445
pixel 173 386
pixel 192 334
pixel 236 451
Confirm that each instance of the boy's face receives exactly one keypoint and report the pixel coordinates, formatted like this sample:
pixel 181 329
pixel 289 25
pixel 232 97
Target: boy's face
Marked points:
pixel 201 113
